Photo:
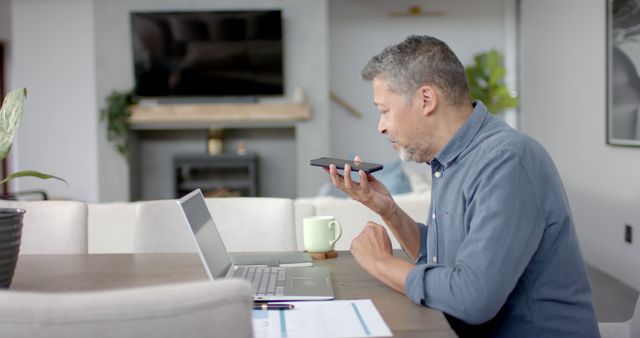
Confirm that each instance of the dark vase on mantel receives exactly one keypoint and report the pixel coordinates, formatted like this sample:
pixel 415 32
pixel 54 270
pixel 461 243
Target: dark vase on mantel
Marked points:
pixel 10 234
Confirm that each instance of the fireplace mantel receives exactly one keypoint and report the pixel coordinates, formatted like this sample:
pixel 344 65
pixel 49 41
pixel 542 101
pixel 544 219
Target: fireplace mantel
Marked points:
pixel 202 116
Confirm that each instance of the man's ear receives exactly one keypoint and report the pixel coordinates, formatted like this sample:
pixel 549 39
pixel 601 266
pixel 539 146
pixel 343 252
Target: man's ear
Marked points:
pixel 428 97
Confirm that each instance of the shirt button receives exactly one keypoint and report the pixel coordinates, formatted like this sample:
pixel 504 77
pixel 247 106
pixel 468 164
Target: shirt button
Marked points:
pixel 435 259
pixel 433 216
pixel 438 174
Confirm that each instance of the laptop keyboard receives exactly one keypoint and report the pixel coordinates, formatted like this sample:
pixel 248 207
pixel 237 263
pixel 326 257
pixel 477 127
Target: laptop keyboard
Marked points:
pixel 265 281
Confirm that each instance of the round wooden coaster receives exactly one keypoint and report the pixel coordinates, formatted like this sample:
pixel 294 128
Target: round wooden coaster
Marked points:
pixel 323 255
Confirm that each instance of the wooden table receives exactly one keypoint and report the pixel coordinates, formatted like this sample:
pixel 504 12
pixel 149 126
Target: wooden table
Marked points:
pixel 59 273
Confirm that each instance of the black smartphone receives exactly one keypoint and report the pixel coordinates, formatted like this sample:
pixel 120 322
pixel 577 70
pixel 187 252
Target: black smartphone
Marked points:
pixel 340 163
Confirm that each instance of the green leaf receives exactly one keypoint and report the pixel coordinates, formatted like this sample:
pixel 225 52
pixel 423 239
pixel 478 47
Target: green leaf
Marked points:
pixel 497 75
pixel 486 82
pixel 10 117
pixel 494 59
pixel 32 173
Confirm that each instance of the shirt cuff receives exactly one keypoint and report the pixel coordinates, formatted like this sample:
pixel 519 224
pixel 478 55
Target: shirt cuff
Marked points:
pixel 422 256
pixel 414 284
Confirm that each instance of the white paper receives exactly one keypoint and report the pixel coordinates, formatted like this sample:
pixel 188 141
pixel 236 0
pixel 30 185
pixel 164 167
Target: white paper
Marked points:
pixel 325 319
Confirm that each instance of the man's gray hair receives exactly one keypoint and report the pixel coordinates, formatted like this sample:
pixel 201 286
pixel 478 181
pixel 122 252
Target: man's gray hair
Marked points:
pixel 418 61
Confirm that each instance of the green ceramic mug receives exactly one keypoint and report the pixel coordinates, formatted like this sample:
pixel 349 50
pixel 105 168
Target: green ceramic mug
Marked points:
pixel 320 233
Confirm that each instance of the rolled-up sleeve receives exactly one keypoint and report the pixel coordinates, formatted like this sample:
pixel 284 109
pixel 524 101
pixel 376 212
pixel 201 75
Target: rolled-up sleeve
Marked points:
pixel 414 286
pixel 422 256
pixel 414 282
pixel 504 230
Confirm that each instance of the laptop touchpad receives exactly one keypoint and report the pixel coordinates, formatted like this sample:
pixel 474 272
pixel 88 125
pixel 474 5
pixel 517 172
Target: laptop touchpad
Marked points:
pixel 305 282
pixel 309 286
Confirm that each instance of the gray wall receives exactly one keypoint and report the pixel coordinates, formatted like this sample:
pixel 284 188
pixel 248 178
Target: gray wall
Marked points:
pixel 75 55
pixel 360 29
pixel 563 106
pixel 52 52
pixel 305 66
pixel 275 148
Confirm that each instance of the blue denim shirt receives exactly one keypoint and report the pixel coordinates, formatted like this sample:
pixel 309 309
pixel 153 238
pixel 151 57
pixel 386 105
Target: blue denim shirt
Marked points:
pixel 499 254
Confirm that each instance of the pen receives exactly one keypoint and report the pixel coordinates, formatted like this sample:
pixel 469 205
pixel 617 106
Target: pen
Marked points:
pixel 272 306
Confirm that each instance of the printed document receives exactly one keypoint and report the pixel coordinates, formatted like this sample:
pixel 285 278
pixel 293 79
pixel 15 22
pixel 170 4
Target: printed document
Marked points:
pixel 324 319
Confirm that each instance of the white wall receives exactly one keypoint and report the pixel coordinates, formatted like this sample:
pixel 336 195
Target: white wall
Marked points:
pixel 360 29
pixel 52 52
pixel 305 43
pixel 563 105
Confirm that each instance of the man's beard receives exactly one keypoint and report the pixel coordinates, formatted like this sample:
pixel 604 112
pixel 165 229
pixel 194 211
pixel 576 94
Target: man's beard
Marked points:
pixel 415 153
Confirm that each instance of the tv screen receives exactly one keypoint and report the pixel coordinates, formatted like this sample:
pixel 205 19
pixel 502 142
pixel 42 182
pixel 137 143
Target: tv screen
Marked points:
pixel 213 53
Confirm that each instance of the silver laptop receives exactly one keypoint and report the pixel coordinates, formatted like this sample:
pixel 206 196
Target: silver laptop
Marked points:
pixel 269 283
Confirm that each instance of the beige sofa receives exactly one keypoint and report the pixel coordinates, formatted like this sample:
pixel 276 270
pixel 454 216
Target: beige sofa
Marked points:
pixel 112 227
pixel 352 215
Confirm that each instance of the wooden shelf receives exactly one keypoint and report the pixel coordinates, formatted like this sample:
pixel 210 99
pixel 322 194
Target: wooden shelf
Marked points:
pixel 181 116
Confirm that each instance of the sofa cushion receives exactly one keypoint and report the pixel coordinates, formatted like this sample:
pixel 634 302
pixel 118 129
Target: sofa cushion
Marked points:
pixel 392 176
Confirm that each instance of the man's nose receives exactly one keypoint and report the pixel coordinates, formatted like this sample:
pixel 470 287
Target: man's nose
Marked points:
pixel 382 128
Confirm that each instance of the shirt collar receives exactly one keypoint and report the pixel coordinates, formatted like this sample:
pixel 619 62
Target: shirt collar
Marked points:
pixel 463 137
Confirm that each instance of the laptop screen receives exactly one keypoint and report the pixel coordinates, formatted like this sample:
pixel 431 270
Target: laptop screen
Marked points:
pixel 212 249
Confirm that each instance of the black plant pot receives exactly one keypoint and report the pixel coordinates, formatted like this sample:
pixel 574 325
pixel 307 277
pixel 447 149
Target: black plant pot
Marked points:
pixel 10 234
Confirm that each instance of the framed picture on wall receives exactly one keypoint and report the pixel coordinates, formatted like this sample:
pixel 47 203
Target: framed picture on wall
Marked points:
pixel 623 75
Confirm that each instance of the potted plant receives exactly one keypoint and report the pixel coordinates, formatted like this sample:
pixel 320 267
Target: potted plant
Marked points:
pixel 11 218
pixel 486 82
pixel 117 113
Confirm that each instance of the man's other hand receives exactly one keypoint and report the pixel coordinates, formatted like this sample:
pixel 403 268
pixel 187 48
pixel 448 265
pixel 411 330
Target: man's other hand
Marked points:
pixel 370 246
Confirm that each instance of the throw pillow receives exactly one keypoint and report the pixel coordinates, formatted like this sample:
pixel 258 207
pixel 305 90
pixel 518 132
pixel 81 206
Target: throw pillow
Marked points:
pixel 392 176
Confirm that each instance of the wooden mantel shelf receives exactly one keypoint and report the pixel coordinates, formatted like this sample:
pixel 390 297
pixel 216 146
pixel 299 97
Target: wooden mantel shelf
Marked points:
pixel 193 115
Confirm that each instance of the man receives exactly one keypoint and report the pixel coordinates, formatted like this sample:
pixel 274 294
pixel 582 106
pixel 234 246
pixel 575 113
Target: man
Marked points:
pixel 498 254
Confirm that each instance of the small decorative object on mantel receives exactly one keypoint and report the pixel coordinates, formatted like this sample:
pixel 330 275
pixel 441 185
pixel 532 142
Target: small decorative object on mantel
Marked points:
pixel 214 141
pixel 298 95
pixel 11 218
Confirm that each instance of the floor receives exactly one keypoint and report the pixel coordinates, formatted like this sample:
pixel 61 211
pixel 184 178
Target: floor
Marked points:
pixel 613 300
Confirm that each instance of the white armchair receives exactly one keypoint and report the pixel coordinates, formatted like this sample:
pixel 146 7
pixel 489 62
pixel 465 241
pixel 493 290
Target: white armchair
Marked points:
pixel 111 227
pixel 161 227
pixel 197 309
pixel 244 223
pixel 254 224
pixel 52 227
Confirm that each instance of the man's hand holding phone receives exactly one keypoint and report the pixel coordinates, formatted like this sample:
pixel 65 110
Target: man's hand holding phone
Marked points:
pixel 368 191
pixel 341 163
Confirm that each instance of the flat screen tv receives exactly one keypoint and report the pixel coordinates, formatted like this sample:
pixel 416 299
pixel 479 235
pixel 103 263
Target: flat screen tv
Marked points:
pixel 207 53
